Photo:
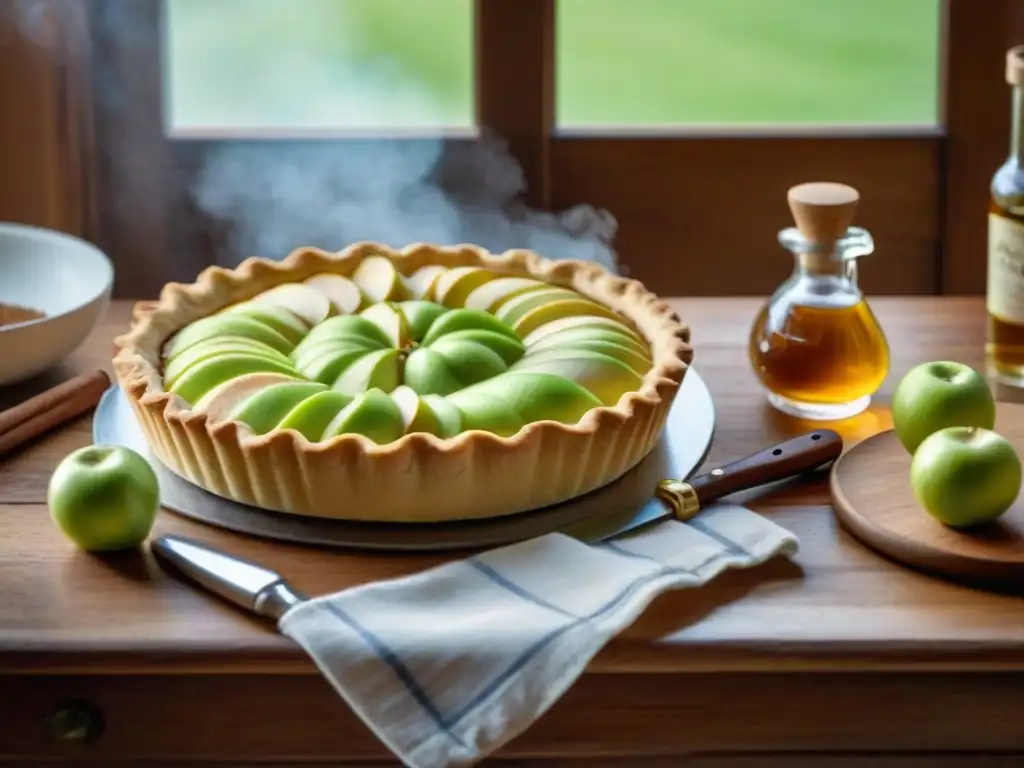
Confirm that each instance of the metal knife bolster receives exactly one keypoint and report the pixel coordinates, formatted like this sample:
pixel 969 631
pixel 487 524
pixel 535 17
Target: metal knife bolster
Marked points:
pixel 245 584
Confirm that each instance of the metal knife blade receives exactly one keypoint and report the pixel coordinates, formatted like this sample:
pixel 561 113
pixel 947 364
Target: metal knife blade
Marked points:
pixel 682 500
pixel 247 585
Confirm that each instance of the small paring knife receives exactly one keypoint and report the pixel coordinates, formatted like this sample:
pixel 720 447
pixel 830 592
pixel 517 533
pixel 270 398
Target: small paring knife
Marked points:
pixel 266 593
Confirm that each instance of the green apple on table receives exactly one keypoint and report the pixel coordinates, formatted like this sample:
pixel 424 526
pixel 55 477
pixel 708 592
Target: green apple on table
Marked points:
pixel 104 497
pixel 940 394
pixel 965 476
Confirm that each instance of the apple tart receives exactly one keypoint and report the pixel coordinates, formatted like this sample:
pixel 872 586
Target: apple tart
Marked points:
pixel 417 385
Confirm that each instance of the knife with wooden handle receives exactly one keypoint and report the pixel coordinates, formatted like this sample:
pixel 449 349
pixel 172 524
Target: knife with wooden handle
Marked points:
pixel 681 500
pixel 266 593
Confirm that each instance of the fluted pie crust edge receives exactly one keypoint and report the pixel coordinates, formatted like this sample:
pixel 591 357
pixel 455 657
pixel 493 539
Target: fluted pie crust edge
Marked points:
pixel 420 477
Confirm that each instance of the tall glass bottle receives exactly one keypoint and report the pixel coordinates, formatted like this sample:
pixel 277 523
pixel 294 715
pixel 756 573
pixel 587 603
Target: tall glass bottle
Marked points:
pixel 1005 290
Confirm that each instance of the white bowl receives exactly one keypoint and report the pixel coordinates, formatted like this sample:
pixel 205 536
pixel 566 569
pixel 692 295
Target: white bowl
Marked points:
pixel 62 276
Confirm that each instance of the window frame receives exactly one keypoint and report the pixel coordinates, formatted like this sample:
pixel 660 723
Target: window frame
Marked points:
pixel 697 210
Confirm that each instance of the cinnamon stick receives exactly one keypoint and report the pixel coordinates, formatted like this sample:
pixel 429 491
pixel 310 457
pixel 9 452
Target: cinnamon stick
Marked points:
pixel 52 408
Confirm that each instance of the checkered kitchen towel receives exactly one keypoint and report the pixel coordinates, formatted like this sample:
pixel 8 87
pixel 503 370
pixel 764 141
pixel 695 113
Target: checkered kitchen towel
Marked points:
pixel 448 665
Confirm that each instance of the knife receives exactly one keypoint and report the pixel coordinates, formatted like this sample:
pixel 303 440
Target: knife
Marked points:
pixel 247 585
pixel 266 593
pixel 682 500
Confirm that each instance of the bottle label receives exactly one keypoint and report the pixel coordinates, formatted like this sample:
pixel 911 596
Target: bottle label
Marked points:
pixel 1005 294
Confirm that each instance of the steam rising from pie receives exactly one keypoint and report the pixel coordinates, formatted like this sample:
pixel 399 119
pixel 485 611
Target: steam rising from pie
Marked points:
pixel 274 198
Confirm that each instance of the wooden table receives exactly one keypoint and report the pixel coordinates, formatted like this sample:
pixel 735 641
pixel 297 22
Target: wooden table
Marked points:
pixel 839 659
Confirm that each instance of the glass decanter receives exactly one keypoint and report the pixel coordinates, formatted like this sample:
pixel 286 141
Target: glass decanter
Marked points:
pixel 816 346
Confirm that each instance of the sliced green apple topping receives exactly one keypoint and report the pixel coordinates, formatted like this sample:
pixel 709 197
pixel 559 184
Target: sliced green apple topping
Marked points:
pixel 382 354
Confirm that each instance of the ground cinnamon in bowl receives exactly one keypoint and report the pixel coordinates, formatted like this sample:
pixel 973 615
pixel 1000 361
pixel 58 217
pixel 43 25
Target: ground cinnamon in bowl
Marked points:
pixel 12 313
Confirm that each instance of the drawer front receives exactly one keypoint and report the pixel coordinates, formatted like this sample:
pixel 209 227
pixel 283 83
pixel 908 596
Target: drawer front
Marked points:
pixel 287 718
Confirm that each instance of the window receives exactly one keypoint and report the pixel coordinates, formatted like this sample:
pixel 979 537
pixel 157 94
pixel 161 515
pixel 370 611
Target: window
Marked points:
pixel 671 128
pixel 378 65
pixel 741 62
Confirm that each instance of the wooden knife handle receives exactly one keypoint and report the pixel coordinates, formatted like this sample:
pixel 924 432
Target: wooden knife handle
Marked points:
pixel 793 457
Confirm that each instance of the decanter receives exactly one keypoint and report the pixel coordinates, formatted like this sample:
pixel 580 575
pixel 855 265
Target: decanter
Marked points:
pixel 816 346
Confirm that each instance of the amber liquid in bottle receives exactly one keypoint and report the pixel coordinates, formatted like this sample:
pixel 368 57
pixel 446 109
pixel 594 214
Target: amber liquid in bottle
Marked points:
pixel 1005 289
pixel 816 346
pixel 821 355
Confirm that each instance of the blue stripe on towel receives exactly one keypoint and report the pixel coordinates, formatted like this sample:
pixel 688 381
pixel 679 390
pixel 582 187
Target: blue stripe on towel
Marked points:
pixel 445 725
pixel 729 544
pixel 515 589
pixel 543 642
pixel 398 667
pixel 618 549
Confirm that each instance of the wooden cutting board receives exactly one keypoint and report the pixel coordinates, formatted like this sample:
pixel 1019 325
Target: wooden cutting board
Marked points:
pixel 873 500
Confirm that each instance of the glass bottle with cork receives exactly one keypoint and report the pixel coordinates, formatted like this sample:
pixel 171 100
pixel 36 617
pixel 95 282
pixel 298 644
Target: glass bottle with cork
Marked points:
pixel 816 346
pixel 1005 289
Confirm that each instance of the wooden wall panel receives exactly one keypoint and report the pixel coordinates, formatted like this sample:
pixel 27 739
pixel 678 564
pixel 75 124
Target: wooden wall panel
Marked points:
pixel 701 216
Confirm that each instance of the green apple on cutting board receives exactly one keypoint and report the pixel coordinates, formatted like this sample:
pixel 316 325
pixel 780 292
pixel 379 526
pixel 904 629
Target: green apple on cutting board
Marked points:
pixel 965 476
pixel 962 472
pixel 104 497
pixel 940 394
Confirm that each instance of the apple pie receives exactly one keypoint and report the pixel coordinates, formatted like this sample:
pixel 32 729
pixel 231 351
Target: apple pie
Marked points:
pixel 416 385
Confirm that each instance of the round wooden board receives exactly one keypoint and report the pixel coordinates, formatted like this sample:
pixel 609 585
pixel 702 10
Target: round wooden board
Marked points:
pixel 873 500
pixel 684 444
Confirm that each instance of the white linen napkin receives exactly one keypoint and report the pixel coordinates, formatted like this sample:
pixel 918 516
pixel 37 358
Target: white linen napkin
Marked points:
pixel 448 665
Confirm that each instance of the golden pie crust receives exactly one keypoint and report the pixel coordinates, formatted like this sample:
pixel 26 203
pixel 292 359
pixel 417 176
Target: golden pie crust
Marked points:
pixel 420 477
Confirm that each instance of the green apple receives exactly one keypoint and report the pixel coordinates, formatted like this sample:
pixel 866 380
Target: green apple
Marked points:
pixel 262 411
pixel 299 299
pixel 639 363
pixel 214 348
pixel 344 327
pixel 541 396
pixel 281 320
pixel 469 361
pixel 605 377
pixel 613 325
pixel 380 369
pixel 379 280
pixel 344 294
pixel 420 284
pixel 487 413
pixel 530 321
pixel 965 476
pixel 513 309
pixel 421 315
pixel 449 418
pixel 391 320
pixel 417 414
pixel 328 362
pixel 427 373
pixel 507 346
pixel 570 336
pixel 466 320
pixel 940 394
pixel 219 403
pixel 307 355
pixel 454 285
pixel 372 414
pixel 222 325
pixel 312 416
pixel 491 295
pixel 104 497
pixel 209 373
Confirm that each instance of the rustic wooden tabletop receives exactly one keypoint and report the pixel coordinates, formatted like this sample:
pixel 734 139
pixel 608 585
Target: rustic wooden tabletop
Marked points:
pixel 836 605
pixel 837 608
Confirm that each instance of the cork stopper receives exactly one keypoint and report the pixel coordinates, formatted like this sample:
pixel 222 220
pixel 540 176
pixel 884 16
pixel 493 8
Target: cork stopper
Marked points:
pixel 1015 66
pixel 823 210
